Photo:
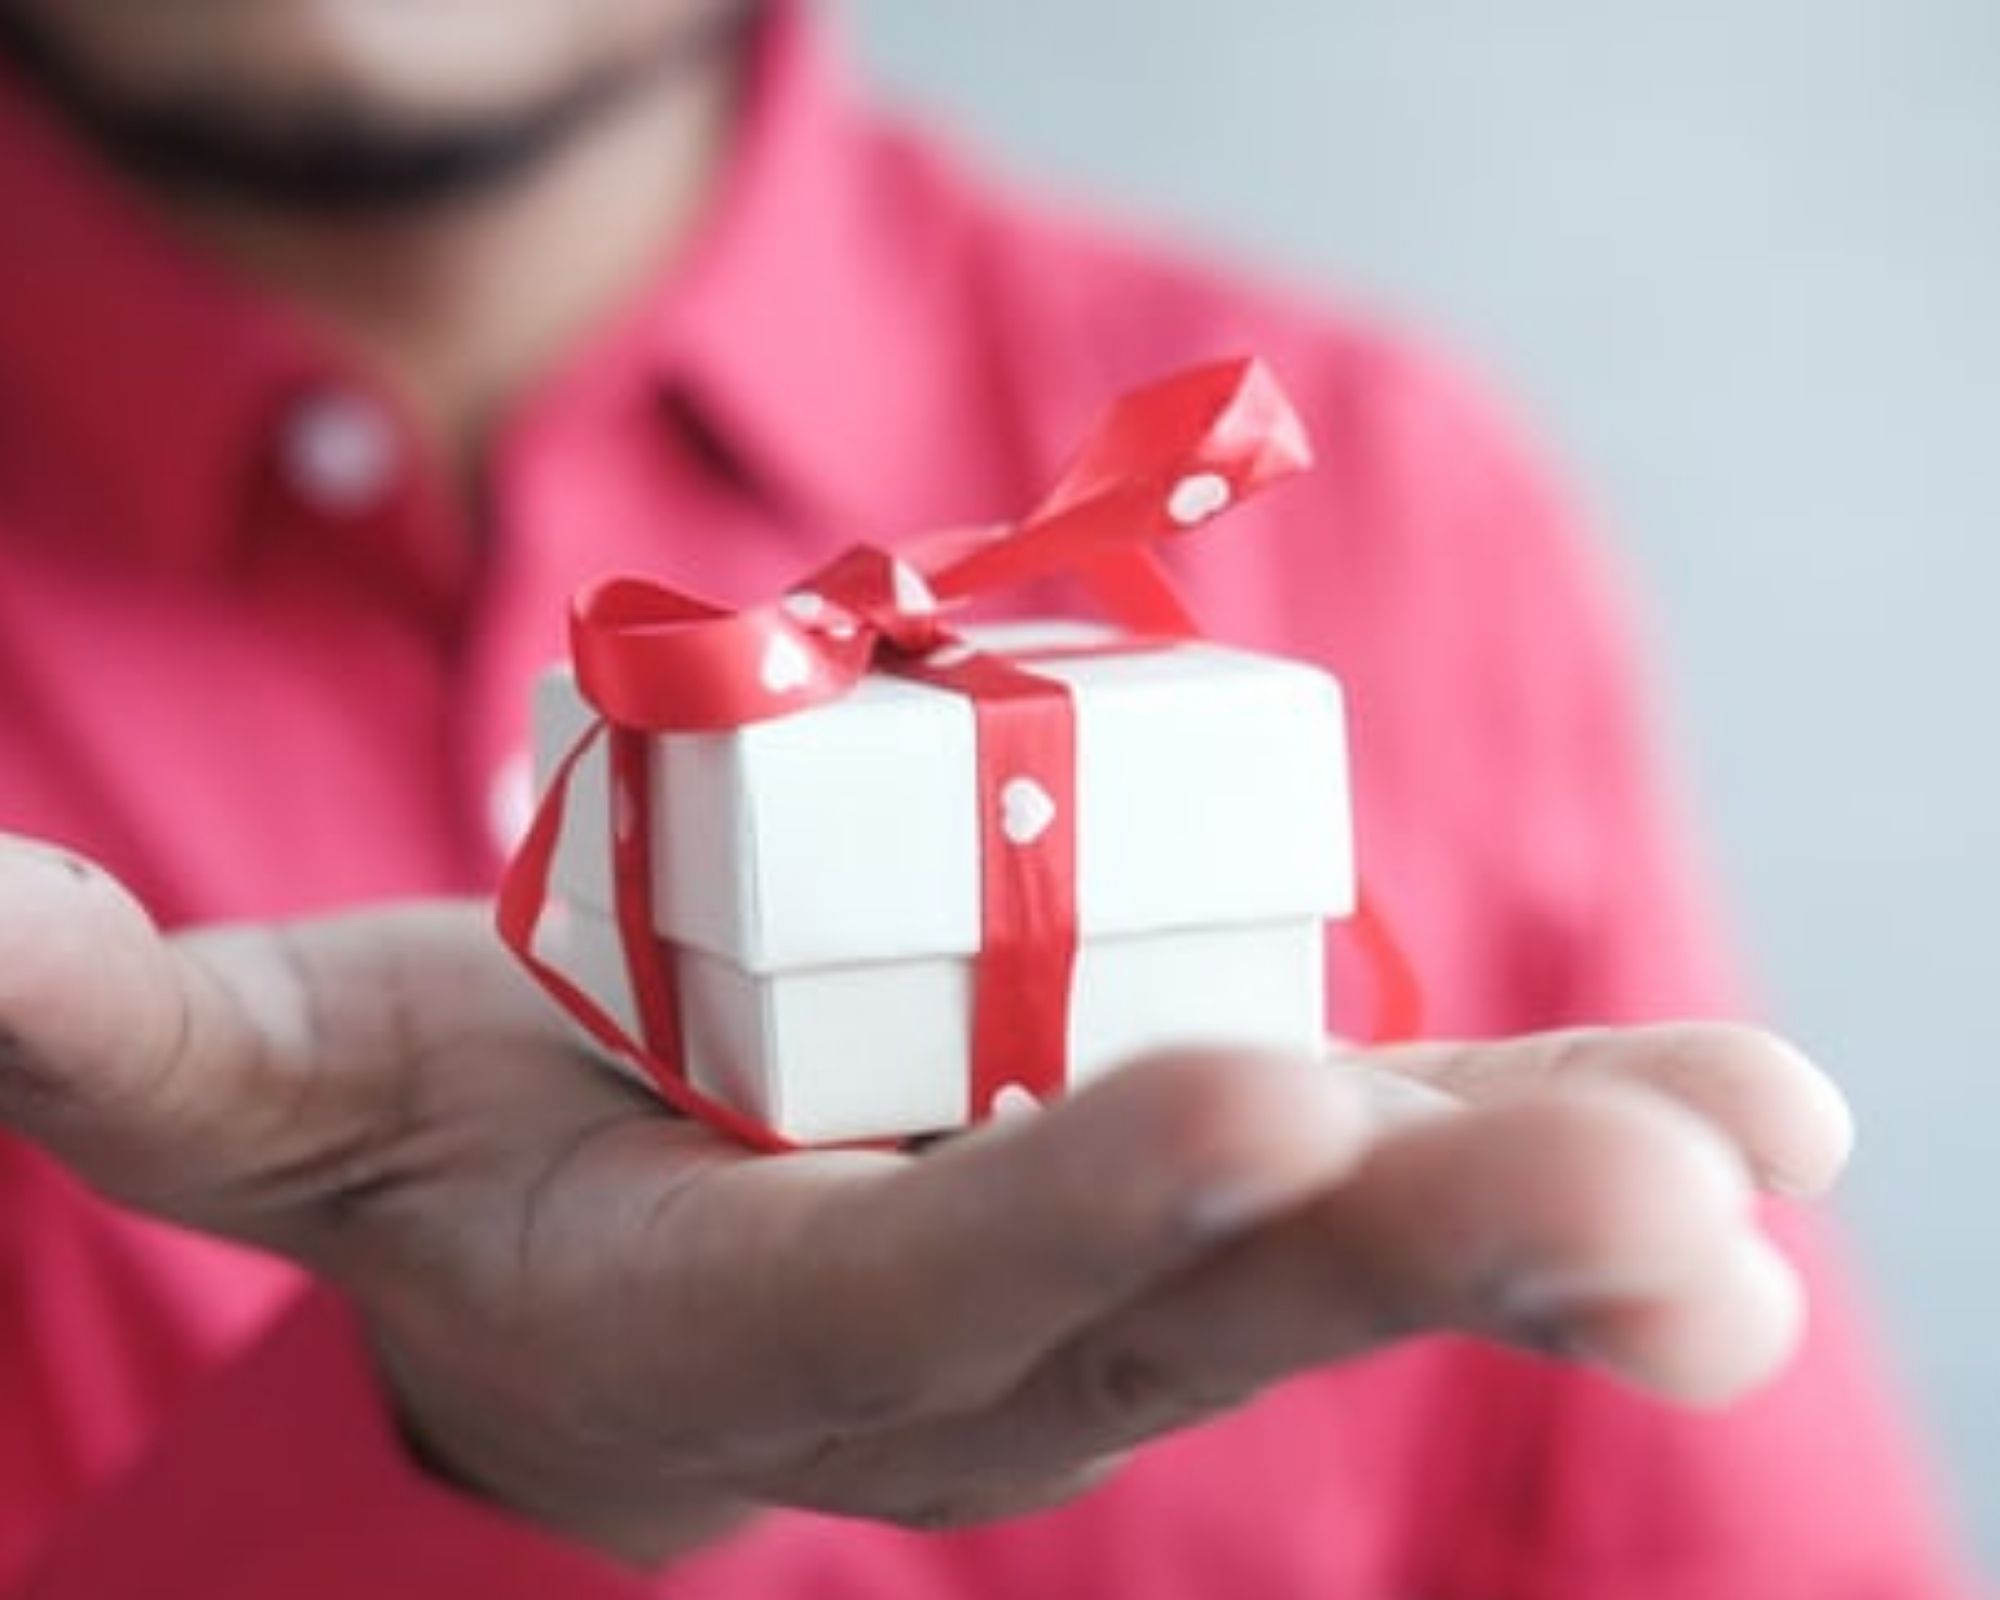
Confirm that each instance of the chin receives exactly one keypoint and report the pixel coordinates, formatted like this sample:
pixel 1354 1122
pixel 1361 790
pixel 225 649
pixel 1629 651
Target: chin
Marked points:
pixel 435 60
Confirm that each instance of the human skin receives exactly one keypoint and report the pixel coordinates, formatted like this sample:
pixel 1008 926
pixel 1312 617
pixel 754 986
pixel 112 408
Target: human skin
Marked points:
pixel 618 1325
pixel 688 1333
pixel 438 63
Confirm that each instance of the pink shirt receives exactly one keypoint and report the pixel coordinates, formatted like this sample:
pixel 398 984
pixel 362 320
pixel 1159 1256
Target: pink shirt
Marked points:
pixel 248 661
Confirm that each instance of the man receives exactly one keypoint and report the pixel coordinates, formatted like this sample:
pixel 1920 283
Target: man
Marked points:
pixel 339 340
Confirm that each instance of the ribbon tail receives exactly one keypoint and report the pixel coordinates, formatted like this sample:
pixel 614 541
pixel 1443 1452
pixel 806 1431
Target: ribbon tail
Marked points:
pixel 1399 1000
pixel 524 896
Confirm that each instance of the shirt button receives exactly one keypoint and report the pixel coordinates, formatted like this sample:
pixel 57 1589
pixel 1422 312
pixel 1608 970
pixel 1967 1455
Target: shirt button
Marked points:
pixel 510 802
pixel 340 452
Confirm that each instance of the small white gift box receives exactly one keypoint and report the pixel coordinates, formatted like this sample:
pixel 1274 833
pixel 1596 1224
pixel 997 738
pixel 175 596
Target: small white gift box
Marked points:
pixel 817 878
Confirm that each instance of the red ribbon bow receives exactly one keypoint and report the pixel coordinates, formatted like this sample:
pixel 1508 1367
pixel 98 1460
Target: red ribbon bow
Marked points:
pixel 649 660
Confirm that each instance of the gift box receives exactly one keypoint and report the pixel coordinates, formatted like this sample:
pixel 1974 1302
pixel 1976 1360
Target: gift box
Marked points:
pixel 835 867
pixel 817 879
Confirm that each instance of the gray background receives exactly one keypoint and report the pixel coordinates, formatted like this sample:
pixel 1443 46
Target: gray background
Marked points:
pixel 1740 259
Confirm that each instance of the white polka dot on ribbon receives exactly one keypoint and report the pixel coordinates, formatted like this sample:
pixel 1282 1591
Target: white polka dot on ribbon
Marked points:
pixel 1198 497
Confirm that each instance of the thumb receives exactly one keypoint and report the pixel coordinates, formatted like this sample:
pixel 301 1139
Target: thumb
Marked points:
pixel 166 1072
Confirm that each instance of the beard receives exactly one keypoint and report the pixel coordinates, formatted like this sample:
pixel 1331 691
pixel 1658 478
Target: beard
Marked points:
pixel 334 152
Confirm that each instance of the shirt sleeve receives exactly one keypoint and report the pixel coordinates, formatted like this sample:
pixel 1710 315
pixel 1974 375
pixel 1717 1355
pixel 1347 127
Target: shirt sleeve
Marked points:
pixel 283 1475
pixel 1814 1487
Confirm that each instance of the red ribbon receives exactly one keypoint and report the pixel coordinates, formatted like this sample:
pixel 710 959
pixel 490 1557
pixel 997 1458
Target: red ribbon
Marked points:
pixel 1166 460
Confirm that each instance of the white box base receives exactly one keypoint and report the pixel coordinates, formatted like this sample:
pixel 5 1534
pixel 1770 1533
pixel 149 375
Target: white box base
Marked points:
pixel 834 1054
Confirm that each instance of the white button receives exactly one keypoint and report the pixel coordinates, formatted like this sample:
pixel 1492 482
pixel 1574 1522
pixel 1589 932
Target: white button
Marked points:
pixel 510 803
pixel 1198 497
pixel 340 452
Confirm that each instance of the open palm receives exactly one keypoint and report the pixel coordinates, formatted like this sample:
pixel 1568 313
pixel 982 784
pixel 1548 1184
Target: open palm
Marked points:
pixel 613 1322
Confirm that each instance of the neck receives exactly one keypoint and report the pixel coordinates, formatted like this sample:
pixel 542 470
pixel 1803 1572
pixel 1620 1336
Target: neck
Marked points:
pixel 459 307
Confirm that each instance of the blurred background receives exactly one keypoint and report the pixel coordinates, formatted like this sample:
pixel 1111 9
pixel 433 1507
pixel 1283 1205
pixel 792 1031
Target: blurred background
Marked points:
pixel 1740 260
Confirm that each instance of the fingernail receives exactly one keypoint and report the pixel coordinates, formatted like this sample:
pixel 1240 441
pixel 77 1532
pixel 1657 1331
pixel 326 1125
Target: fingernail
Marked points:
pixel 1230 1213
pixel 1392 1100
pixel 1537 1298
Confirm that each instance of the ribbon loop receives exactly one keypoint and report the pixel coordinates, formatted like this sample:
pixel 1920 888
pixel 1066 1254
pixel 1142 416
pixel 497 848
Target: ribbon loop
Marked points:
pixel 1163 461
pixel 888 594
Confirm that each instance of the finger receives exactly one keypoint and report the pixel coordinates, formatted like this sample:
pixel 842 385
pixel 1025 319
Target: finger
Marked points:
pixel 99 1017
pixel 233 1077
pixel 843 1294
pixel 1730 1328
pixel 1521 1220
pixel 1785 1115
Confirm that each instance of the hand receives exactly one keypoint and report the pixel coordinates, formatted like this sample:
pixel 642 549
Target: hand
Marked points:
pixel 614 1323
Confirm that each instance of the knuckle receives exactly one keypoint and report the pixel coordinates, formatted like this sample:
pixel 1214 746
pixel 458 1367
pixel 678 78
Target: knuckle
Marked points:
pixel 1533 1330
pixel 18 1071
pixel 26 1081
pixel 1127 1391
pixel 872 1360
pixel 861 1391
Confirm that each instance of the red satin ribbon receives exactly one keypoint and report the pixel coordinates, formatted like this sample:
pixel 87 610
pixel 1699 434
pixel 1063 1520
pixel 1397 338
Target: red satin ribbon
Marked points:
pixel 1166 460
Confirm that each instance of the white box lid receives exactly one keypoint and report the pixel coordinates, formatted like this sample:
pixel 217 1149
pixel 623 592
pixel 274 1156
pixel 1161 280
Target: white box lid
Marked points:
pixel 1212 790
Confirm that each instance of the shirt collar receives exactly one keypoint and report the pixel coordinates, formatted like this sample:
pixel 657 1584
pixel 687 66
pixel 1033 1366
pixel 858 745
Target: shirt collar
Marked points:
pixel 806 324
pixel 136 370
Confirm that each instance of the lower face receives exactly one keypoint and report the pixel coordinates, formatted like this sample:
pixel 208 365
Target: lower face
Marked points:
pixel 349 103
pixel 427 60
